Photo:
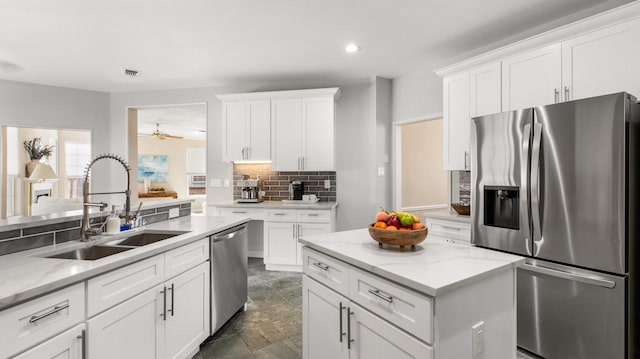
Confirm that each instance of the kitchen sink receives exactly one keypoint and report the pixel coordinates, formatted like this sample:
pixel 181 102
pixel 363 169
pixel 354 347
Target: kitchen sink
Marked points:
pixel 91 253
pixel 144 238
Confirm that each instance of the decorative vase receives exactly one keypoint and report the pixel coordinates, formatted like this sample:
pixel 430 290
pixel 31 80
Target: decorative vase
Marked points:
pixel 31 166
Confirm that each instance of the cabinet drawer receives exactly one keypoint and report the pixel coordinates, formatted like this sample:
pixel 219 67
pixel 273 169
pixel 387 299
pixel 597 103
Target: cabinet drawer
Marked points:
pixel 326 270
pixel 403 307
pixel 281 215
pixel 314 216
pixel 121 284
pixel 450 229
pixel 39 319
pixel 184 258
pixel 69 344
pixel 253 213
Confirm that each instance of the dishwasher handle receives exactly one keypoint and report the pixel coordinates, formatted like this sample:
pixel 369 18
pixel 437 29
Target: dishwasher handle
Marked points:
pixel 228 234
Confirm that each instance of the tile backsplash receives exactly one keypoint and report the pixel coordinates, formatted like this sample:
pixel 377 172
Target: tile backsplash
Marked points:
pixel 276 184
pixel 460 187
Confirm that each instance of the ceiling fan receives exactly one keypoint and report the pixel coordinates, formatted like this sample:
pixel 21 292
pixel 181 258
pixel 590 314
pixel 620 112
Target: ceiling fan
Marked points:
pixel 162 135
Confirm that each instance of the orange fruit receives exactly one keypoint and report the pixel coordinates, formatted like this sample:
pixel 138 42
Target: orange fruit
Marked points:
pixel 381 225
pixel 392 228
pixel 382 216
pixel 417 226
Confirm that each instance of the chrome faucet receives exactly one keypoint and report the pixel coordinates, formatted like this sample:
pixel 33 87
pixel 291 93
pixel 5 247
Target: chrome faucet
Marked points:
pixel 87 230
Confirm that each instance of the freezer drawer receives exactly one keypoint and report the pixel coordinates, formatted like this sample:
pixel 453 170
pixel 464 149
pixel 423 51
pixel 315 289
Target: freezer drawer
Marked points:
pixel 564 312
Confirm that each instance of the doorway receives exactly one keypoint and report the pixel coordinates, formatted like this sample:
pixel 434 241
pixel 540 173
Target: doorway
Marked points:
pixel 421 183
pixel 168 153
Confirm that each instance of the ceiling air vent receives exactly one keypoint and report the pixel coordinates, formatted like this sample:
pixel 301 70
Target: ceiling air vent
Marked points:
pixel 132 73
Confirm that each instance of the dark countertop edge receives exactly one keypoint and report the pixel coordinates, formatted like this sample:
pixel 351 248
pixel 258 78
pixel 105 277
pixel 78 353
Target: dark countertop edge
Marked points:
pixel 160 247
pixel 406 282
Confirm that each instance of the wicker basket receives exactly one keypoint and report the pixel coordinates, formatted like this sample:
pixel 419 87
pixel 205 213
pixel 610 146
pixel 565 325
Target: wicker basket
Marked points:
pixel 462 209
pixel 398 238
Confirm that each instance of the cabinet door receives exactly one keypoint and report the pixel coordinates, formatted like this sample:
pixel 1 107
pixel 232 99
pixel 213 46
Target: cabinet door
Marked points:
pixel 375 338
pixel 280 244
pixel 188 318
pixel 324 322
pixel 308 229
pixel 601 62
pixel 532 79
pixel 286 129
pixel 133 329
pixel 235 130
pixel 259 132
pixel 456 121
pixel 318 134
pixel 485 90
pixel 68 345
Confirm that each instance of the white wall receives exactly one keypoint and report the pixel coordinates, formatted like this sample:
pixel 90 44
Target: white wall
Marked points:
pixel 417 95
pixel 383 115
pixel 39 106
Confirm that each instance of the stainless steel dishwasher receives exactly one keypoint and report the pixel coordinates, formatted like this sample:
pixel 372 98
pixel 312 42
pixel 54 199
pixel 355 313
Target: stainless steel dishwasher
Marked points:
pixel 228 274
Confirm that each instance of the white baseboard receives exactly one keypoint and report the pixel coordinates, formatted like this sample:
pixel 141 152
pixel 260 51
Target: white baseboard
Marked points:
pixel 284 267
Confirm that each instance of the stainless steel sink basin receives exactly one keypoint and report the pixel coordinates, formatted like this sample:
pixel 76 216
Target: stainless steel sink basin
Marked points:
pixel 91 253
pixel 144 238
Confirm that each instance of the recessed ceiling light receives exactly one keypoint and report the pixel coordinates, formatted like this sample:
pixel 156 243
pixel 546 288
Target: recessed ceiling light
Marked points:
pixel 351 48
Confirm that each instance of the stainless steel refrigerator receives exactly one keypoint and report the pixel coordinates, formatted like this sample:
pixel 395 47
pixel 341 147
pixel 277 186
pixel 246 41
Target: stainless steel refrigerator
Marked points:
pixel 559 185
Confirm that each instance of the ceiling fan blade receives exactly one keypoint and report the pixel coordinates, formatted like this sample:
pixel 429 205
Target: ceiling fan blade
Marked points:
pixel 174 137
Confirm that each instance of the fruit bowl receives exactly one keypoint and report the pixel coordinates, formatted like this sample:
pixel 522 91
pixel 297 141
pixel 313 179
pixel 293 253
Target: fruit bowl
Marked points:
pixel 398 238
pixel 462 209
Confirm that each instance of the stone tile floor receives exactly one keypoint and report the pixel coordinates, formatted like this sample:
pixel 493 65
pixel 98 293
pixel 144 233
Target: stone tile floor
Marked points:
pixel 271 327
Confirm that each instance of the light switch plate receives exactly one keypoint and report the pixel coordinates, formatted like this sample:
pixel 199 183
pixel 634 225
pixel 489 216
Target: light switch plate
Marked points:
pixel 380 171
pixel 327 184
pixel 174 212
pixel 215 182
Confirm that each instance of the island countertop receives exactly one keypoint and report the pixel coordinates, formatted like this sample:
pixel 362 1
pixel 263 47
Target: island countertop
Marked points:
pixel 434 268
pixel 26 275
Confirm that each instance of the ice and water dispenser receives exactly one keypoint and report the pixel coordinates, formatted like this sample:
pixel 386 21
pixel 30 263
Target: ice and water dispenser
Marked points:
pixel 502 207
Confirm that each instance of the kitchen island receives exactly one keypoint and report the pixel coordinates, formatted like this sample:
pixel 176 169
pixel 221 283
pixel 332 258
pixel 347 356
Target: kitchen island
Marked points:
pixel 443 300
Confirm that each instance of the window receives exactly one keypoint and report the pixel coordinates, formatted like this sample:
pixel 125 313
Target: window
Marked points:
pixel 77 156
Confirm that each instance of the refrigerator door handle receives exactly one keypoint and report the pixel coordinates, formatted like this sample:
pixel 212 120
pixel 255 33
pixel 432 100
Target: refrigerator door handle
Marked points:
pixel 535 183
pixel 570 276
pixel 524 178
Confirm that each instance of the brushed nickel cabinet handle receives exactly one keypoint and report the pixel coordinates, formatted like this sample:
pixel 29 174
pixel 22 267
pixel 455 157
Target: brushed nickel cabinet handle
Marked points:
pixel 54 310
pixel 321 266
pixel 349 340
pixel 342 333
pixel 172 289
pixel 566 93
pixel 164 303
pixel 381 296
pixel 83 338
pixel 556 95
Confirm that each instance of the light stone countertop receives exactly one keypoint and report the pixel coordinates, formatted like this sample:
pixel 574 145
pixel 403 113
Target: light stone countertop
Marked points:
pixel 436 267
pixel 26 275
pixel 278 205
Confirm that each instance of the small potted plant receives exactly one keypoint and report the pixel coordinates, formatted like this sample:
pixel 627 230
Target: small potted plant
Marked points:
pixel 37 151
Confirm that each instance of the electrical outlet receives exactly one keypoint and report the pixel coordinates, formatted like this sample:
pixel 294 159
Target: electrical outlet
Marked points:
pixel 477 339
pixel 226 182
pixel 380 171
pixel 215 182
pixel 174 212
pixel 327 184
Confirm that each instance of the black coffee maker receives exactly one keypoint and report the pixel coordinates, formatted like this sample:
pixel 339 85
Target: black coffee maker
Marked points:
pixel 296 190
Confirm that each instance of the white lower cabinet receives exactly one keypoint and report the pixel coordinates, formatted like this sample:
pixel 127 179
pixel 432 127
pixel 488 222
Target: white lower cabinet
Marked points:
pixel 133 329
pixel 282 228
pixel 67 345
pixel 449 230
pixel 335 327
pixel 167 321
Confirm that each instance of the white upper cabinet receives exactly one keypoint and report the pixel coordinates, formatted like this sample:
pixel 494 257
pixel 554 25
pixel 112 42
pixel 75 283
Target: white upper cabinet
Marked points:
pixel 485 90
pixel 292 129
pixel 286 140
pixel 247 130
pixel 318 134
pixel 456 121
pixel 601 62
pixel 532 79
